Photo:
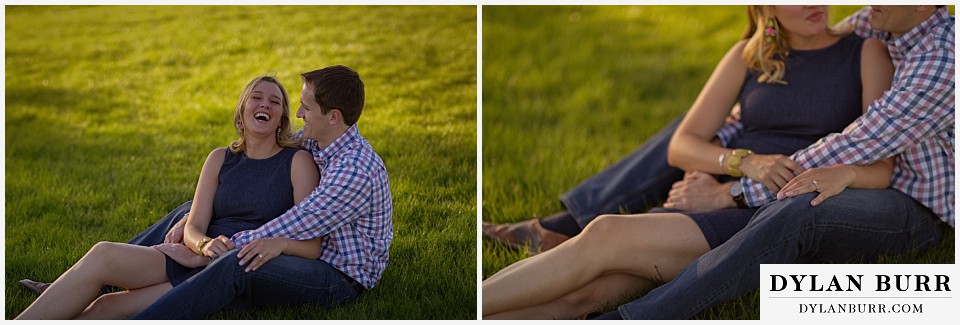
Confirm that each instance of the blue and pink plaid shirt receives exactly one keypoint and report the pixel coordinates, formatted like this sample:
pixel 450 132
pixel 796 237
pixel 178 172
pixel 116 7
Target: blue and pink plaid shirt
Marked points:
pixel 912 121
pixel 351 208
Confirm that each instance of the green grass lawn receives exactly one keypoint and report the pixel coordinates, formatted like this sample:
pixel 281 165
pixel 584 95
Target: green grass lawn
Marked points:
pixel 110 112
pixel 569 90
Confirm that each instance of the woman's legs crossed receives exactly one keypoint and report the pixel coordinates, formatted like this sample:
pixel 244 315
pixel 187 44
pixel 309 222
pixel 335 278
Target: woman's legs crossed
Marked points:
pixel 124 304
pixel 607 290
pixel 124 265
pixel 649 246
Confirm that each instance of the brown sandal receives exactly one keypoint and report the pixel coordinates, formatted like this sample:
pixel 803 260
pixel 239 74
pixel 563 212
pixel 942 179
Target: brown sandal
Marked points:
pixel 527 235
pixel 38 287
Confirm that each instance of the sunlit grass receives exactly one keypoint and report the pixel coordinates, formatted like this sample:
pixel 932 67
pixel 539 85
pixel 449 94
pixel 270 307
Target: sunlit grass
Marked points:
pixel 110 112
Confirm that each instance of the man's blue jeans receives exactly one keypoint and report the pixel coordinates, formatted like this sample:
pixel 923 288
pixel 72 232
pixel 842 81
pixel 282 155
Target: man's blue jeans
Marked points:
pixel 155 234
pixel 282 281
pixel 854 226
pixel 635 183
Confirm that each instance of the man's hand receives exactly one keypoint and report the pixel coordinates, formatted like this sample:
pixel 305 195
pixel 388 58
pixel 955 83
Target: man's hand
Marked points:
pixel 699 191
pixel 175 235
pixel 734 116
pixel 261 250
pixel 182 254
pixel 828 181
pixel 773 171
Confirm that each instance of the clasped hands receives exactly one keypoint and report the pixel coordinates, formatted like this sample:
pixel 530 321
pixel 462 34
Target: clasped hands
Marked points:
pixel 252 255
pixel 699 191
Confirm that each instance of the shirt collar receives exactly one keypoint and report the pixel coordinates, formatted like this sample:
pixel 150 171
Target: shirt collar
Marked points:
pixel 907 41
pixel 349 136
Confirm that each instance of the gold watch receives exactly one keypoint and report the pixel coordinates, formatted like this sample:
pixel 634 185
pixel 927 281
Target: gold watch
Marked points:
pixel 733 162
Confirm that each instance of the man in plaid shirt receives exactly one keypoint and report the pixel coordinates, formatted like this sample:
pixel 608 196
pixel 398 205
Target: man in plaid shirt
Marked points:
pixel 913 121
pixel 351 210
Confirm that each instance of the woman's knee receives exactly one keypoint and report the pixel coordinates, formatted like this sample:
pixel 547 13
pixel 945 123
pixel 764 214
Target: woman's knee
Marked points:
pixel 604 229
pixel 100 255
pixel 108 306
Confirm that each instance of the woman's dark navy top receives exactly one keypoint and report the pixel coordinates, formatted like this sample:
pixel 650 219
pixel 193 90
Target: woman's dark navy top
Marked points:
pixel 251 192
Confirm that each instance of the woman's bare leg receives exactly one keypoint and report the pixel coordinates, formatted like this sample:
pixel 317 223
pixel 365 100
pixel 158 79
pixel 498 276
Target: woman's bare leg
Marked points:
pixel 124 304
pixel 605 291
pixel 649 246
pixel 124 265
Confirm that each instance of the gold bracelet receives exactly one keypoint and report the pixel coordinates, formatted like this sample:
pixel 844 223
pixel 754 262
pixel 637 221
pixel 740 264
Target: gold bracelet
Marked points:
pixel 733 163
pixel 200 244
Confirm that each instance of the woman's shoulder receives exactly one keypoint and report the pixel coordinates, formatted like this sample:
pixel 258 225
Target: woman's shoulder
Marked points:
pixel 874 51
pixel 216 157
pixel 219 153
pixel 300 153
pixel 874 45
pixel 735 53
pixel 738 47
pixel 302 165
pixel 875 57
pixel 301 157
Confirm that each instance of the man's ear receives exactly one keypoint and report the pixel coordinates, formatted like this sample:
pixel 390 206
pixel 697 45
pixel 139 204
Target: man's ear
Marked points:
pixel 336 116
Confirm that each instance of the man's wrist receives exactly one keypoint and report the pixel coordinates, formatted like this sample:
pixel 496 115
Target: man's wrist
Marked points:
pixel 726 201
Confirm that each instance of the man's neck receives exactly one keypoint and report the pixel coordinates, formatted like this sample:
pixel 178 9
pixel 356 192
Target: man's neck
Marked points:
pixel 921 17
pixel 332 136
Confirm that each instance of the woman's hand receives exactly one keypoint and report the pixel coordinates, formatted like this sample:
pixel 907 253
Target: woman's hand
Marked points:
pixel 182 254
pixel 261 250
pixel 773 171
pixel 829 181
pixel 217 246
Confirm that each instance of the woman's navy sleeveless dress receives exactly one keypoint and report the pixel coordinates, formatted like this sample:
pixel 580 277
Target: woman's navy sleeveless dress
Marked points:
pixel 822 96
pixel 251 192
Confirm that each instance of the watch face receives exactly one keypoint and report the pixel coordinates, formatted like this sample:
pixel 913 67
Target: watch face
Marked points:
pixel 736 189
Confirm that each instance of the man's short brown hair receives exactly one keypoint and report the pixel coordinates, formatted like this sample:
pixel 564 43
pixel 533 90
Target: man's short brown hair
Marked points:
pixel 337 87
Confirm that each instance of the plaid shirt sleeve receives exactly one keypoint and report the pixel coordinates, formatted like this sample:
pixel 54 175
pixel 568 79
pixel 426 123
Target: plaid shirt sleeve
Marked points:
pixel 859 24
pixel 918 106
pixel 339 199
pixel 728 132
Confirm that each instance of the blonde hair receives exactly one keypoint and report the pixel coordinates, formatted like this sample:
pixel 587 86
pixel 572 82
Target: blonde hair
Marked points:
pixel 760 56
pixel 284 135
pixel 768 58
